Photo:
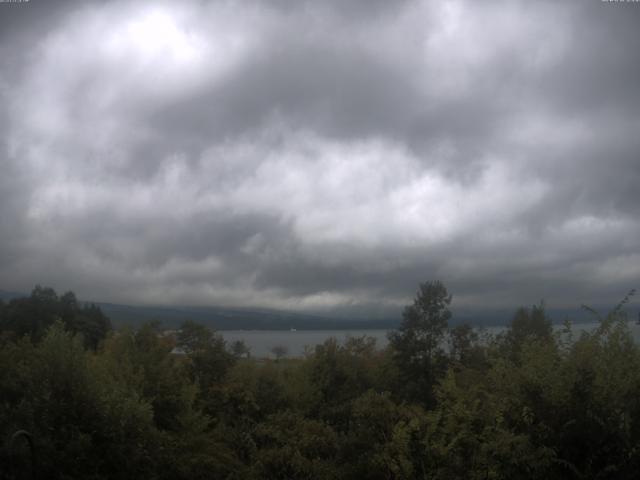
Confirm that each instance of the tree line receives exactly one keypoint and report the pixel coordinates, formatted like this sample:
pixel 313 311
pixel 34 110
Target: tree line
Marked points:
pixel 80 400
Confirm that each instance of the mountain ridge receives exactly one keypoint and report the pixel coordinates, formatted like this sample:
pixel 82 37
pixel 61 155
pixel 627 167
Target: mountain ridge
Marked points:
pixel 256 318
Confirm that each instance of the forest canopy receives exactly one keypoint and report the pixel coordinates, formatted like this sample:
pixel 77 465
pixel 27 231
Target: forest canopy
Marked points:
pixel 437 402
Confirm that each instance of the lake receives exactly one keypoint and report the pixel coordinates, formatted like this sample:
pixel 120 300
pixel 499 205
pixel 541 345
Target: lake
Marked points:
pixel 262 341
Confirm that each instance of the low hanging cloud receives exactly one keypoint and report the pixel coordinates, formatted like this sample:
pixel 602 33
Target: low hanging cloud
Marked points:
pixel 321 156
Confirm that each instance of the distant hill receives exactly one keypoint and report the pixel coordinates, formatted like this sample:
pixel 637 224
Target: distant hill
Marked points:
pixel 4 295
pixel 236 318
pixel 222 318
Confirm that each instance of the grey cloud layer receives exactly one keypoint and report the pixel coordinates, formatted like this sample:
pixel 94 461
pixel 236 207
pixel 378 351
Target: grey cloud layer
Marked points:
pixel 321 157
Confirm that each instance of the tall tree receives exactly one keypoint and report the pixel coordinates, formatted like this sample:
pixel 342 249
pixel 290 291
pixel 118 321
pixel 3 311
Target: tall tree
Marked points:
pixel 527 325
pixel 33 315
pixel 463 347
pixel 209 359
pixel 417 344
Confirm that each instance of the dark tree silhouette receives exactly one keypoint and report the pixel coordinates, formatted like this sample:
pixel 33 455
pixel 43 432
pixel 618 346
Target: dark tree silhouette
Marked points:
pixel 417 343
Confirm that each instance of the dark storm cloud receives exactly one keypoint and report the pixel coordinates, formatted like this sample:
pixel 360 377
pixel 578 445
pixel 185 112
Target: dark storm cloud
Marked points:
pixel 14 198
pixel 602 72
pixel 17 22
pixel 338 93
pixel 321 156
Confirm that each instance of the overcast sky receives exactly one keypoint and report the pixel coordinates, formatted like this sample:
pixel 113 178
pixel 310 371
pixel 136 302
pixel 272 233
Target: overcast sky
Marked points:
pixel 321 156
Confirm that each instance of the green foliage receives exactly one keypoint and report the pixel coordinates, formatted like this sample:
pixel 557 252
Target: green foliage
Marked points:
pixel 339 374
pixel 83 424
pixel 33 315
pixel 194 337
pixel 526 325
pixel 384 439
pixel 465 349
pixel 240 349
pixel 143 404
pixel 417 345
pixel 143 360
pixel 291 446
pixel 207 352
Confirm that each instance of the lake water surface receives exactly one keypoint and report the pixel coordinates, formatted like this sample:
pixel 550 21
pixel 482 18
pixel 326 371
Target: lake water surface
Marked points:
pixel 262 341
